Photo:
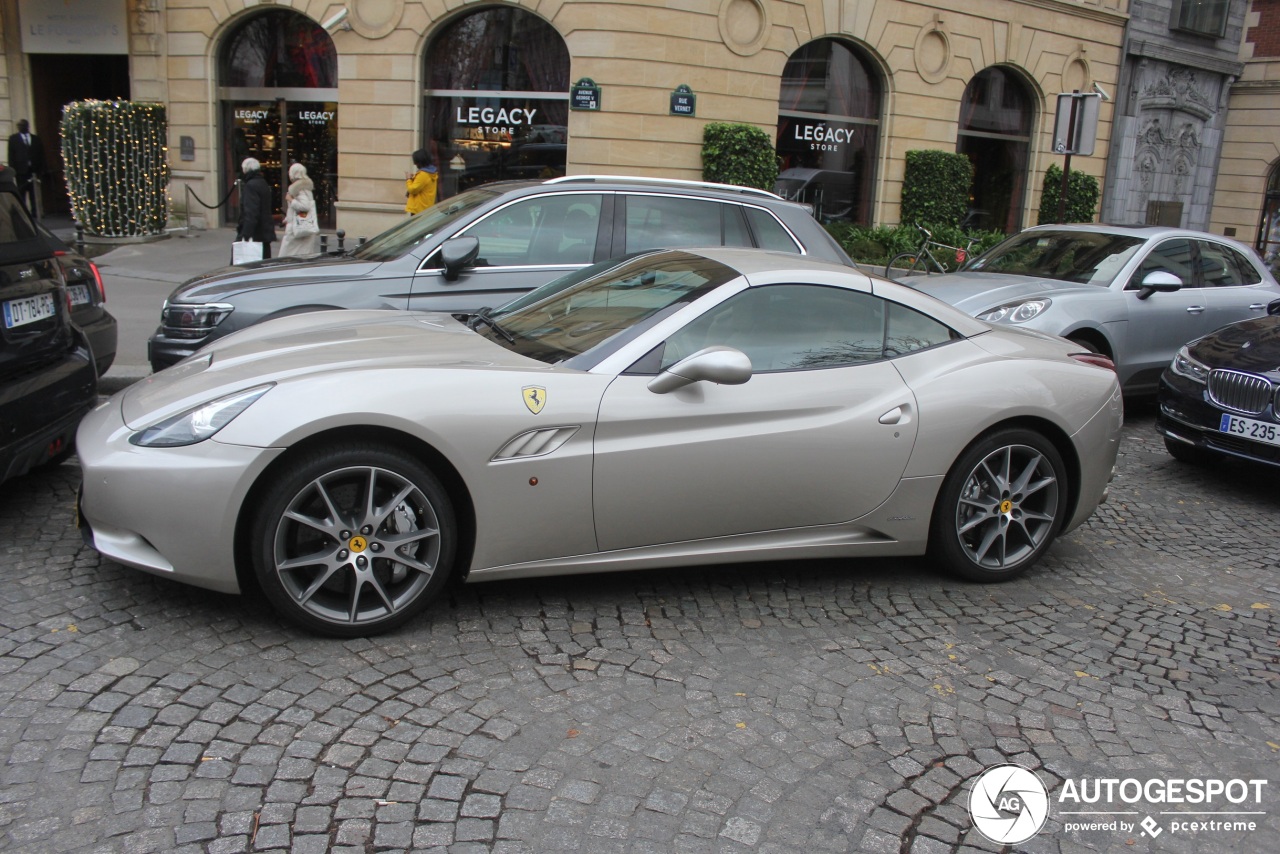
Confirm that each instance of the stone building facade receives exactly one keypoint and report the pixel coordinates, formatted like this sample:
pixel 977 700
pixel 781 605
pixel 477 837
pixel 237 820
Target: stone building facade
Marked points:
pixel 1247 202
pixel 846 87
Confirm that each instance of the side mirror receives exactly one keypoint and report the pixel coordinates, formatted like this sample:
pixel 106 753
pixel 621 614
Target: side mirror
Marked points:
pixel 458 253
pixel 718 364
pixel 1273 308
pixel 1159 281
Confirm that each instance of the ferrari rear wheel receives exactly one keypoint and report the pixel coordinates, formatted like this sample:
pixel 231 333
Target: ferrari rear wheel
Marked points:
pixel 353 541
pixel 1000 507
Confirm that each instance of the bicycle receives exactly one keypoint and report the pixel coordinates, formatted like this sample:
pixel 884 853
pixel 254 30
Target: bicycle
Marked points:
pixel 918 262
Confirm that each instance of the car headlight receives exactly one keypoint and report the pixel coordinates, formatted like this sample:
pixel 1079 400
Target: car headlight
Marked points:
pixel 1185 366
pixel 196 425
pixel 1016 312
pixel 189 320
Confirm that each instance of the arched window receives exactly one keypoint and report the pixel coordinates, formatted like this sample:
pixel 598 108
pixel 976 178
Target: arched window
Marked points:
pixel 829 129
pixel 1268 242
pixel 497 99
pixel 278 91
pixel 996 117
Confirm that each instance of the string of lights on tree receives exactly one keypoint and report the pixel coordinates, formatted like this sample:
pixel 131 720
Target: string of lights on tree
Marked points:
pixel 117 166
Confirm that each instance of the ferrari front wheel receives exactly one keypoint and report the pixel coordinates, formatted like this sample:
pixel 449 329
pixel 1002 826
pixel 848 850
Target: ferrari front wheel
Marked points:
pixel 353 541
pixel 1001 506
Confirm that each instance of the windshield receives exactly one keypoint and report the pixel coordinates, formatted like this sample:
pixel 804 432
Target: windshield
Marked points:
pixel 396 241
pixel 1082 257
pixel 566 318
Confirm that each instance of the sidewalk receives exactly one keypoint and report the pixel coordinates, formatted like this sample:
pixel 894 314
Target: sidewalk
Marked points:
pixel 138 277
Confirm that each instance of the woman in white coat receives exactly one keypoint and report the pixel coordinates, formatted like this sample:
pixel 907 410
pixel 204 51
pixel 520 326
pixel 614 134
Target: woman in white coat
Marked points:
pixel 301 231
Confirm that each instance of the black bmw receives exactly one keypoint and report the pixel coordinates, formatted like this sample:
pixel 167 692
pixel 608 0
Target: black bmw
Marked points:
pixel 1220 397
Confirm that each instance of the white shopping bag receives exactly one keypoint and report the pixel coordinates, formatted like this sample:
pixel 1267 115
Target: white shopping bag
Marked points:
pixel 244 251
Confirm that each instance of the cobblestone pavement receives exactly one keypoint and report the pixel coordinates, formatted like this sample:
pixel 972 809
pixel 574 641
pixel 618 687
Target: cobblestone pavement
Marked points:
pixel 837 706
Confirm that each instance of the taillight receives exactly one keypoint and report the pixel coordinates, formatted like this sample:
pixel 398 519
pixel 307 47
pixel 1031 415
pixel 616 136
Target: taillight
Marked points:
pixel 97 278
pixel 1096 359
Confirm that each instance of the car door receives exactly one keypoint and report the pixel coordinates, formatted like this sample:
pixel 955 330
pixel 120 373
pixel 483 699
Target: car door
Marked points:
pixel 820 434
pixel 1234 288
pixel 1160 323
pixel 523 244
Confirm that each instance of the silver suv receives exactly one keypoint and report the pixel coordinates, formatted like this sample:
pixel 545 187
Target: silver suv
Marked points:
pixel 485 247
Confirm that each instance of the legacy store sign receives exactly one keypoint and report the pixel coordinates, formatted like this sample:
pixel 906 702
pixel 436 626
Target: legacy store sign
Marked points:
pixel 499 120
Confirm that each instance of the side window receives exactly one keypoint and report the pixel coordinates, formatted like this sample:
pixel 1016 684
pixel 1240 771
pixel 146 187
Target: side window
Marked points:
pixel 665 222
pixel 736 232
pixel 545 230
pixel 1217 268
pixel 769 232
pixel 1249 274
pixel 908 331
pixel 789 327
pixel 1171 256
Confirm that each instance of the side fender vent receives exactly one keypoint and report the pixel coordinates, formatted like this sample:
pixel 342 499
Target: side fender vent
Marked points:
pixel 535 443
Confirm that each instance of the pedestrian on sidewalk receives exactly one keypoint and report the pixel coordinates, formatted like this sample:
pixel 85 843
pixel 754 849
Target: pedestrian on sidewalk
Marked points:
pixel 257 219
pixel 26 156
pixel 420 185
pixel 301 231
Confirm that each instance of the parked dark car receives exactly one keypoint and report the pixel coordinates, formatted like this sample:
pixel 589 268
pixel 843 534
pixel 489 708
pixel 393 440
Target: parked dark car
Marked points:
pixel 88 300
pixel 1220 397
pixel 485 247
pixel 831 192
pixel 47 377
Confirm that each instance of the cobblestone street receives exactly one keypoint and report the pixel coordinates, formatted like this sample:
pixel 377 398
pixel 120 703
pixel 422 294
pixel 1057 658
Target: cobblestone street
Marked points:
pixel 833 706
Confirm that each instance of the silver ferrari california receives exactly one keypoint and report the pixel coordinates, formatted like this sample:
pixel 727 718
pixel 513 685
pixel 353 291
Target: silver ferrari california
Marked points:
pixel 668 409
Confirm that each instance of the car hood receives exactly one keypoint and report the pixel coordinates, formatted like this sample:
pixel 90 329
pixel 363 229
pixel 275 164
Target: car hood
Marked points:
pixel 1250 345
pixel 975 293
pixel 273 273
pixel 319 342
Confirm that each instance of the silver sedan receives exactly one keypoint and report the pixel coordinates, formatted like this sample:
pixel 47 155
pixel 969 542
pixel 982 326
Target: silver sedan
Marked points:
pixel 669 409
pixel 1132 293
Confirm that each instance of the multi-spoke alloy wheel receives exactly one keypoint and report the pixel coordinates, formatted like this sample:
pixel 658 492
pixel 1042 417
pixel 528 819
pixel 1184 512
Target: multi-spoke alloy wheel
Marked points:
pixel 1000 507
pixel 354 541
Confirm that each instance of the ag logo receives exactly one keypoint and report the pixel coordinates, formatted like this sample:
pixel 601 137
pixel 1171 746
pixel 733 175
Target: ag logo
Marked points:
pixel 535 397
pixel 1008 804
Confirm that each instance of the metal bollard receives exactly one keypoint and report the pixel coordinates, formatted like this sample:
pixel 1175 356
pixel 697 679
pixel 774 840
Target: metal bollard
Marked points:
pixel 362 240
pixel 342 236
pixel 79 236
pixel 324 244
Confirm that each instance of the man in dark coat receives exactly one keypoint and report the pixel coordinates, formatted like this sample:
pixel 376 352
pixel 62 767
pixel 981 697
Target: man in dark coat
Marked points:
pixel 26 156
pixel 257 220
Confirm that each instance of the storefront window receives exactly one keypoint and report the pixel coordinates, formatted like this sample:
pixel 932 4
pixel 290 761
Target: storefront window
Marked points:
pixel 496 103
pixel 278 78
pixel 829 129
pixel 995 133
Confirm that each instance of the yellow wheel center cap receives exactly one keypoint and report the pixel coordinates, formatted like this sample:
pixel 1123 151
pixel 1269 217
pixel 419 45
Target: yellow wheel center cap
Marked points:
pixel 1005 507
pixel 358 544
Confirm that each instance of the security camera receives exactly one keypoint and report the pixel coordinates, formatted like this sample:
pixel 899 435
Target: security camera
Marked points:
pixel 1098 90
pixel 339 22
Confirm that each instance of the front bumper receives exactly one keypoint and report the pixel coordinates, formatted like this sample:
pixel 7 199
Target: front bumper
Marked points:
pixel 172 512
pixel 1185 415
pixel 163 351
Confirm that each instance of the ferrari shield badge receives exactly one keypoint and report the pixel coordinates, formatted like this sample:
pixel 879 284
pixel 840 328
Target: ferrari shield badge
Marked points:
pixel 535 397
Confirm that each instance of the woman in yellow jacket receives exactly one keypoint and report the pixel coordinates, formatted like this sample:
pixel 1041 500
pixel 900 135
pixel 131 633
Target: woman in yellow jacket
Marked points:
pixel 420 186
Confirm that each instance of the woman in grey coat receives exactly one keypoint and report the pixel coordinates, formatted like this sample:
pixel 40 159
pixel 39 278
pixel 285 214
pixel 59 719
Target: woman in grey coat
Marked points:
pixel 301 231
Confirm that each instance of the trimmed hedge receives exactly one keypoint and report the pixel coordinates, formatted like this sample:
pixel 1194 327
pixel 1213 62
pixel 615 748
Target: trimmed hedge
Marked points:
pixel 1082 196
pixel 738 154
pixel 935 187
pixel 876 245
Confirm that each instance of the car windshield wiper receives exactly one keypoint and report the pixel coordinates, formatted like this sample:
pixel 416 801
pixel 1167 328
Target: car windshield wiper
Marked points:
pixel 483 316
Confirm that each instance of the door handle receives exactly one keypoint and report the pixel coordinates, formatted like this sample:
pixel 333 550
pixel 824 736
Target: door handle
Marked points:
pixel 1195 309
pixel 1258 306
pixel 893 416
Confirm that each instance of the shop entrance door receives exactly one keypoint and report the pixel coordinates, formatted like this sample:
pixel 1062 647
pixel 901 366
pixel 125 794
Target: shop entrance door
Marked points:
pixel 308 135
